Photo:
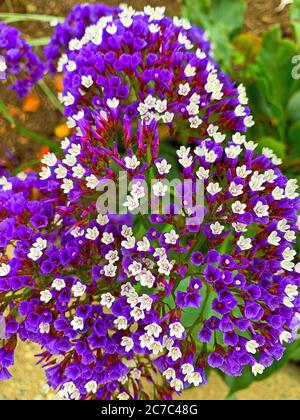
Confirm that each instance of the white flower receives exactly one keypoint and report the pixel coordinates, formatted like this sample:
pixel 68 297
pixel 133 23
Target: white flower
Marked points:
pixel 146 279
pixel 238 207
pixel 77 323
pixel 123 396
pixel 49 159
pixel 143 245
pixel 235 189
pixel 289 254
pixel 217 228
pixel 68 99
pixel 169 374
pixel 232 152
pixel 3 65
pixel 177 384
pixel 238 138
pixel 153 329
pixel 78 171
pixel 291 290
pixel 131 203
pixel 70 160
pixel 187 368
pixel 257 181
pixel 242 171
pixel 58 284
pixel 45 173
pixel 257 369
pixel 248 121
pixel 146 341
pixel 107 300
pixel 112 256
pixel 283 226
pixel 195 121
pixel 87 81
pixel 138 190
pixel 121 323
pixel 113 103
pixel 252 346
pixel 186 162
pixel 145 302
pixel 34 254
pixel 135 268
pixel 171 237
pixel 213 188
pixel 61 172
pixel 261 209
pixel 154 28
pixel 45 296
pixel 92 233
pixel 102 220
pixel 273 238
pixel 44 328
pixel 184 89
pixel 92 182
pixel 244 243
pixel 239 227
pixel 285 337
pixel 278 193
pixel 290 236
pixel 190 71
pixel 4 270
pixel 174 353
pixel 91 386
pixel 195 379
pixel 78 289
pixel 287 265
pixel 176 330
pixel 159 189
pixel 137 313
pixel 291 188
pixel 161 106
pixel 67 185
pixel 129 243
pixel 131 162
pixel 288 301
pixel 167 117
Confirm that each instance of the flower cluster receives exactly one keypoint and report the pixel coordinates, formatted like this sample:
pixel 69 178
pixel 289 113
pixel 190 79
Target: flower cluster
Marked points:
pixel 114 299
pixel 18 60
pixel 147 67
pixel 82 16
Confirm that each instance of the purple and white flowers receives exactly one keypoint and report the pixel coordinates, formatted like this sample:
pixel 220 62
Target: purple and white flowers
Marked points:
pixel 113 298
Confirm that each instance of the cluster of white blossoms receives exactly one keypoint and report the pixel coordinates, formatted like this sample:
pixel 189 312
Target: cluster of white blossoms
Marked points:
pixel 191 377
pixel 154 109
pixel 37 248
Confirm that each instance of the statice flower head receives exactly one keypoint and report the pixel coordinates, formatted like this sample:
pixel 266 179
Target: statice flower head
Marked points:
pixel 18 62
pixel 74 26
pixel 144 66
pixel 114 298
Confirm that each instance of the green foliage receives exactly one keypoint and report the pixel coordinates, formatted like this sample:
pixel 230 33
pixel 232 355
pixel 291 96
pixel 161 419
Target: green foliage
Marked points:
pixel 220 20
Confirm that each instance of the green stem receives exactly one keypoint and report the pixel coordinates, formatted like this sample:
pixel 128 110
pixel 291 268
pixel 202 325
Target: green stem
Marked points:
pixel 17 17
pixel 51 96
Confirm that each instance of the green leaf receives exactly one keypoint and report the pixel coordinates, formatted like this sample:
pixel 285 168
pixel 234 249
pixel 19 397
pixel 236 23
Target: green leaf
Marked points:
pixel 278 147
pixel 221 20
pixel 6 114
pixel 38 42
pixel 37 137
pixel 294 136
pixel 293 107
pixel 17 17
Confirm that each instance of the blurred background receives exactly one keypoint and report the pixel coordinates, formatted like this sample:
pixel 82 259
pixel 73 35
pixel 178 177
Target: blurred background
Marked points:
pixel 257 43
